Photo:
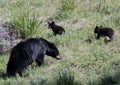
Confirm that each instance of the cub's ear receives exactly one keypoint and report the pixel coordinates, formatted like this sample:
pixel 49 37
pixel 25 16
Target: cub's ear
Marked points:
pixel 101 26
pixel 97 27
pixel 48 22
pixel 52 22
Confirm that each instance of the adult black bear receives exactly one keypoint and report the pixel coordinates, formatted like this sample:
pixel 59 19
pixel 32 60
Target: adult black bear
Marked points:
pixel 28 51
pixel 104 31
pixel 56 29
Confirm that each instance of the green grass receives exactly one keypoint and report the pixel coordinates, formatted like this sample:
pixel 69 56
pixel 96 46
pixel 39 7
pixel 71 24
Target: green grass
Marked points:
pixel 24 22
pixel 94 63
pixel 65 9
pixel 26 26
pixel 66 77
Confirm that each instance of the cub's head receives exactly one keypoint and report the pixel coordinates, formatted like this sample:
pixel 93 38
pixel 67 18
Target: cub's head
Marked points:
pixel 96 30
pixel 51 24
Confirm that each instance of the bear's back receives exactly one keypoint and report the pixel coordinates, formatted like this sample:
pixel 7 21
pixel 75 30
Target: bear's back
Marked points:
pixel 28 46
pixel 107 31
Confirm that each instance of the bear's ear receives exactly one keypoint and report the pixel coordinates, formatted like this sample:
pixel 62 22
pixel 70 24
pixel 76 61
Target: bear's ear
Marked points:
pixel 52 43
pixel 101 26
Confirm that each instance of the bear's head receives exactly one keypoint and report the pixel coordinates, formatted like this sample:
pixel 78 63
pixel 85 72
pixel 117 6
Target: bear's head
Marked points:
pixel 53 51
pixel 96 29
pixel 51 24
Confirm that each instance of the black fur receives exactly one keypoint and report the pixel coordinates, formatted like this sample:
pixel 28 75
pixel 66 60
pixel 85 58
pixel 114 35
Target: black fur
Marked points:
pixel 56 29
pixel 28 51
pixel 104 31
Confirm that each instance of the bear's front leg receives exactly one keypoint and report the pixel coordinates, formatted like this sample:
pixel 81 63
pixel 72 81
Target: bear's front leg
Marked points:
pixel 98 36
pixel 20 73
pixel 40 60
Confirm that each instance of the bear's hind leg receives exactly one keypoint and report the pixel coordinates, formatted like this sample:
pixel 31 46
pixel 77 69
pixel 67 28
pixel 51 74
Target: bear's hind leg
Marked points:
pixel 107 39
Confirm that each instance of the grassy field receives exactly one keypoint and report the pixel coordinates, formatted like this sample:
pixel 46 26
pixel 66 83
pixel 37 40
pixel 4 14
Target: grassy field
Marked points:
pixel 82 63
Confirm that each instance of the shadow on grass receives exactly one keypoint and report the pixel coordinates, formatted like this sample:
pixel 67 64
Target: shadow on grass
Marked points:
pixel 66 77
pixel 38 82
pixel 107 79
pixel 3 75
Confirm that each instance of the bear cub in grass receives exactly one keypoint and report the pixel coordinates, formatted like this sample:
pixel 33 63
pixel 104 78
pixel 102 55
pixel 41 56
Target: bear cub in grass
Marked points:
pixel 56 29
pixel 104 31
pixel 28 51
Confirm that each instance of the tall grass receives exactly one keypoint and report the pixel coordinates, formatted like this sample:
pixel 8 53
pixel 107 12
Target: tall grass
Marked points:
pixel 66 77
pixel 25 23
pixel 27 26
pixel 65 10
pixel 3 3
pixel 107 78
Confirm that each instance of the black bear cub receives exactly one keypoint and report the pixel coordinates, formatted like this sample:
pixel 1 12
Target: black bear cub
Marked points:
pixel 56 29
pixel 28 51
pixel 104 31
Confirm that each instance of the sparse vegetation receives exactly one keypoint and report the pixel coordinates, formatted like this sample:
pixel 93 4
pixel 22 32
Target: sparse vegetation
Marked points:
pixel 94 63
pixel 65 9
pixel 25 23
pixel 66 77
pixel 27 26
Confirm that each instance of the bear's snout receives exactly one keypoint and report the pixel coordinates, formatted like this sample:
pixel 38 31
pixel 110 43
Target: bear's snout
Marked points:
pixel 58 57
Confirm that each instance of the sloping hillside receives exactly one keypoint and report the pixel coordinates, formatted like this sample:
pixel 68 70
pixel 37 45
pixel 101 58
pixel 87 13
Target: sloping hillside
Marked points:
pixel 82 63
